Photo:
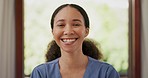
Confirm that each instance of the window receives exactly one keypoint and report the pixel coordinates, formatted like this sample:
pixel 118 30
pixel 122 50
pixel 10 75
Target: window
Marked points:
pixel 20 38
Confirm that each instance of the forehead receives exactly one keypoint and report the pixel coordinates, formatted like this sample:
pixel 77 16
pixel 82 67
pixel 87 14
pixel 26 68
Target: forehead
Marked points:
pixel 68 13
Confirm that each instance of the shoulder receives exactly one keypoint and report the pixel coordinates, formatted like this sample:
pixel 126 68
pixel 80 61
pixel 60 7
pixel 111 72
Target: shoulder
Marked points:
pixel 103 69
pixel 47 65
pixel 98 63
pixel 42 69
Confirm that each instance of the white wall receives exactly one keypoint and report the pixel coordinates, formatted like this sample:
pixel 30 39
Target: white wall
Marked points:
pixel 144 39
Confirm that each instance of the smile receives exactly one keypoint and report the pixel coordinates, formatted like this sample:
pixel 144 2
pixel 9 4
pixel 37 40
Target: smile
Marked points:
pixel 69 40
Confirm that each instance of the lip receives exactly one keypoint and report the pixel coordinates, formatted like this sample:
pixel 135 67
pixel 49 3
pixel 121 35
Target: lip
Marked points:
pixel 68 41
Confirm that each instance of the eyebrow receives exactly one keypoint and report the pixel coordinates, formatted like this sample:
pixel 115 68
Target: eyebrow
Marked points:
pixel 76 20
pixel 61 20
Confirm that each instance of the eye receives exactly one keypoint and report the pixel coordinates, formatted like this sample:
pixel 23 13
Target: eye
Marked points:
pixel 76 24
pixel 61 25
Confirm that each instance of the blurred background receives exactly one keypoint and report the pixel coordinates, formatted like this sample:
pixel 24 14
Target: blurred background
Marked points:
pixel 11 50
pixel 108 27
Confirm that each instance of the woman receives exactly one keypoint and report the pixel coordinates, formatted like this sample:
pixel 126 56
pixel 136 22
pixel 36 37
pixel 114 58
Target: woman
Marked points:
pixel 70 27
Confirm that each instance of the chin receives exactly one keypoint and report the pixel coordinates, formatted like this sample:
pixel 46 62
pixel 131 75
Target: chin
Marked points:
pixel 68 50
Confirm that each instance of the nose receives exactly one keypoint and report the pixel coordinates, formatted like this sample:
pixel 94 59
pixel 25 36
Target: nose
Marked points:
pixel 68 30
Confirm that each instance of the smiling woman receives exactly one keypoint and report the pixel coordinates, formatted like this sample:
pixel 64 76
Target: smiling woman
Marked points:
pixel 72 63
pixel 36 53
pixel 69 34
pixel 107 31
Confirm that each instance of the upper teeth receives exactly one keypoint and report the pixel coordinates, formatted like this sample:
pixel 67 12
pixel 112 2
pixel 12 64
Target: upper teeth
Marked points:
pixel 68 40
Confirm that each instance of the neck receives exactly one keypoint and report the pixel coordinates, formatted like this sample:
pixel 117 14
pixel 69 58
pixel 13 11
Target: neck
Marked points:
pixel 73 60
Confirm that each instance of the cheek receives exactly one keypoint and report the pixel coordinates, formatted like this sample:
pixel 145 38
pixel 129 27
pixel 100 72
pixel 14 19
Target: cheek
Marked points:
pixel 81 33
pixel 56 33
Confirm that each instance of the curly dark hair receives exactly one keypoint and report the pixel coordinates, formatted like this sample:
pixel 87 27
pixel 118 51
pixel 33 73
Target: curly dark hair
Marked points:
pixel 89 48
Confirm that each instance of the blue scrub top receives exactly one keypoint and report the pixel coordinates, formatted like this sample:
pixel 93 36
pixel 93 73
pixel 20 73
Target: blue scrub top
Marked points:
pixel 95 69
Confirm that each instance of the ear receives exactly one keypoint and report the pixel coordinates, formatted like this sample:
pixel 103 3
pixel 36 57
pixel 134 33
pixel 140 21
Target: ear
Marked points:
pixel 86 32
pixel 52 32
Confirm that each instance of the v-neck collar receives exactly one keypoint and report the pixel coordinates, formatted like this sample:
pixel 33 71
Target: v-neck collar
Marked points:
pixel 85 73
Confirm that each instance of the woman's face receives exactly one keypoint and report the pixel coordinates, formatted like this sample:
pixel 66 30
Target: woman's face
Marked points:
pixel 69 30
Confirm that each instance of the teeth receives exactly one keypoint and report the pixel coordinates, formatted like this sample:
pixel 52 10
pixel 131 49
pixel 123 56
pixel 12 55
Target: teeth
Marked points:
pixel 68 40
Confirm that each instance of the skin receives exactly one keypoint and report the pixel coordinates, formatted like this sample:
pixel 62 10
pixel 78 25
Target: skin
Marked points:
pixel 69 32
